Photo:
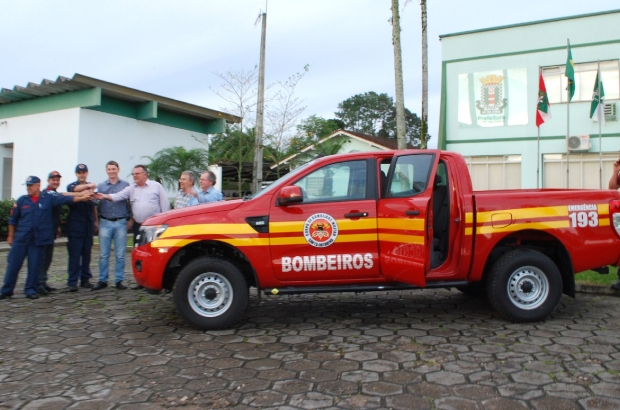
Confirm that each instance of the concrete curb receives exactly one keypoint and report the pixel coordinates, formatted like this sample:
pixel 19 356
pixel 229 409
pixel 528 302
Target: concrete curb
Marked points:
pixel 598 290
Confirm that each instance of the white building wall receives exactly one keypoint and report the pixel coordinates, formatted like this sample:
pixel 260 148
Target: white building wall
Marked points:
pixel 105 137
pixel 41 143
pixel 355 145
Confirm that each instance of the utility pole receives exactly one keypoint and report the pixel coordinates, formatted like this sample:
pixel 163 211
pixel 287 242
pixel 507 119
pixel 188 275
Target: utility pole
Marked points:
pixel 257 170
pixel 398 71
pixel 424 127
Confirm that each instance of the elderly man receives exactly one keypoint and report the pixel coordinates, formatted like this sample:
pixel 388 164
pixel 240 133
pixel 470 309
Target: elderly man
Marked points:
pixel 207 193
pixel 112 228
pixel 30 229
pixel 145 196
pixel 186 193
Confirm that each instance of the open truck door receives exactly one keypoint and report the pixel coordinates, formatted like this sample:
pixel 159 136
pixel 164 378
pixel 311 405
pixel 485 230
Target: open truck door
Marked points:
pixel 403 213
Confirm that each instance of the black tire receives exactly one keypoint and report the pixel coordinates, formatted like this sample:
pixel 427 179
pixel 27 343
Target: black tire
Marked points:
pixel 524 286
pixel 210 293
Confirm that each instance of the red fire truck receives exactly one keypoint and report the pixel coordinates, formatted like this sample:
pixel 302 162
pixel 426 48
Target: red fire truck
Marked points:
pixel 379 221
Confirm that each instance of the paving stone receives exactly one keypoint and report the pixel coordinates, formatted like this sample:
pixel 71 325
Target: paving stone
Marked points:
pixel 51 403
pixel 475 392
pixel 502 403
pixel 408 402
pixel 554 403
pixel 445 378
pixel 600 403
pixel 531 377
pixel 382 388
pixel 455 403
pixel 566 391
pixel 311 400
pixel 292 386
pixel 606 389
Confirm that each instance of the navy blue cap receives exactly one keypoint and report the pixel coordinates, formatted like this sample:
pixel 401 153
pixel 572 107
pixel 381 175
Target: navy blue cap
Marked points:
pixel 31 180
pixel 54 174
pixel 81 167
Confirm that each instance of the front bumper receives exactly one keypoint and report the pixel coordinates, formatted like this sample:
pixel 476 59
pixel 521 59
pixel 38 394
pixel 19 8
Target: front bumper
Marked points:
pixel 148 265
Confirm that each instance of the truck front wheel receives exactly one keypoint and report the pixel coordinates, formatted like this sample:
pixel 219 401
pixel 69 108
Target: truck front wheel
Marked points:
pixel 210 293
pixel 524 286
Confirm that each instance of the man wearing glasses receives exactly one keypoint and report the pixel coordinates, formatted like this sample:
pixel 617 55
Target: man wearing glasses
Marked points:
pixel 146 197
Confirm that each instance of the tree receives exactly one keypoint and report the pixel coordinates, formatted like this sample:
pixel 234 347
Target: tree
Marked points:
pixel 282 115
pixel 375 114
pixel 167 165
pixel 366 113
pixel 398 77
pixel 424 123
pixel 233 147
pixel 239 90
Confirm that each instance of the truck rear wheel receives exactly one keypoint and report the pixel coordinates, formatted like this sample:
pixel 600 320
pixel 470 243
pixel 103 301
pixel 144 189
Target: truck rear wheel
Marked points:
pixel 524 286
pixel 211 293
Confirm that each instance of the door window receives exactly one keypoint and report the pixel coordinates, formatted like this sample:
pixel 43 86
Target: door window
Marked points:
pixel 410 176
pixel 335 182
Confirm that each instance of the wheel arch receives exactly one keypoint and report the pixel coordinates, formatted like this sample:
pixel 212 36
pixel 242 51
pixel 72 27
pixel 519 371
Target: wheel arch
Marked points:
pixel 540 241
pixel 213 248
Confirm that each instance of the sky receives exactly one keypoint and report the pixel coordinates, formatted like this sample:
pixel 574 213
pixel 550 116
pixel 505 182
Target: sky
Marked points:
pixel 173 48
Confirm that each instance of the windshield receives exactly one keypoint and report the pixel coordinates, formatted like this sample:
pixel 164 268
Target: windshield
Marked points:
pixel 274 184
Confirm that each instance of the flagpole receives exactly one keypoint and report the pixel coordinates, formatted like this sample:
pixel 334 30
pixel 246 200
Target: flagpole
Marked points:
pixel 538 142
pixel 567 124
pixel 601 113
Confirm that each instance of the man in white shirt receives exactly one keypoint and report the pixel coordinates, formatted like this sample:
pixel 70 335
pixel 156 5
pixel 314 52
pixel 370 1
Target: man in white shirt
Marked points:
pixel 146 197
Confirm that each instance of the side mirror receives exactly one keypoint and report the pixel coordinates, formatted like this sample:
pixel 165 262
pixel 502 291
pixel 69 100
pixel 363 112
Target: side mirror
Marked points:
pixel 290 195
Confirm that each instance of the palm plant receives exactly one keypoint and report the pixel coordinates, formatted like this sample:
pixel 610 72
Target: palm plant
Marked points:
pixel 167 165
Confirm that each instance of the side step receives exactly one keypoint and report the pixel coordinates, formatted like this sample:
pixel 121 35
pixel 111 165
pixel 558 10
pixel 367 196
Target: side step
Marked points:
pixel 356 288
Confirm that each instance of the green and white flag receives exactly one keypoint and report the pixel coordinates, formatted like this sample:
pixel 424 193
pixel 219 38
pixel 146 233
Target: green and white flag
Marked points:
pixel 597 110
pixel 569 72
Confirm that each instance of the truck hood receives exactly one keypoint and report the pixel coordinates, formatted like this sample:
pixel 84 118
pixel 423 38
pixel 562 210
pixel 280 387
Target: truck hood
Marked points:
pixel 191 211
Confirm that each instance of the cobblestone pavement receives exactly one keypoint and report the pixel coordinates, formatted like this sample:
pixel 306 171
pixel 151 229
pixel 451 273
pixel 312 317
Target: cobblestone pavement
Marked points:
pixel 432 349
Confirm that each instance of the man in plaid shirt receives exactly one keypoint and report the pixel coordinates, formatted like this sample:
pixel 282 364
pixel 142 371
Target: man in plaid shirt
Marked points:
pixel 186 193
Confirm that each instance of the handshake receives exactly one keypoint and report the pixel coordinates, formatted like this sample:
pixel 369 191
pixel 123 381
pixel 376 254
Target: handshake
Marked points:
pixel 88 193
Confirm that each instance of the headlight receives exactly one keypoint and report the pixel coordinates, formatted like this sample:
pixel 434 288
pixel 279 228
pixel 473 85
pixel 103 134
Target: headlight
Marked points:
pixel 150 233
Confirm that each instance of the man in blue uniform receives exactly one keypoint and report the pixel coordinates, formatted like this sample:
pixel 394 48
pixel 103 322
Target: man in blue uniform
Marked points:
pixel 81 225
pixel 30 229
pixel 53 182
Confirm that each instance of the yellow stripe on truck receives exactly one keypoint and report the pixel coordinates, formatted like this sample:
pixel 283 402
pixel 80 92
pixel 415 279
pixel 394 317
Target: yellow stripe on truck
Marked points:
pixel 208 229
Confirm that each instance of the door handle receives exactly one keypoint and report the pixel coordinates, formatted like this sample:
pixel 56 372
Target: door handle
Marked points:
pixel 356 215
pixel 412 212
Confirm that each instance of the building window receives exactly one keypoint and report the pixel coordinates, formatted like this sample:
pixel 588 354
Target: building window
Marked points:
pixel 584 172
pixel 495 172
pixel 585 75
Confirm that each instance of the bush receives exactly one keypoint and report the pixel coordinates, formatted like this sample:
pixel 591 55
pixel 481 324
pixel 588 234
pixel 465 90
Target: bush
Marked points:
pixel 5 213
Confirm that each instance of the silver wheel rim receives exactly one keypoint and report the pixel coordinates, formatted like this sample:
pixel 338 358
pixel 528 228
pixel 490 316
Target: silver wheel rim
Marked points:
pixel 210 294
pixel 528 287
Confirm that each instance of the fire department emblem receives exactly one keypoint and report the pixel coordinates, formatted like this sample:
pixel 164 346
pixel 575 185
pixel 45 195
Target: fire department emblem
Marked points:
pixel 492 99
pixel 320 230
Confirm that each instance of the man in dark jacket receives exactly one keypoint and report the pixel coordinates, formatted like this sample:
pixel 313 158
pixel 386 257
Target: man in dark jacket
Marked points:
pixel 30 229
pixel 53 182
pixel 81 226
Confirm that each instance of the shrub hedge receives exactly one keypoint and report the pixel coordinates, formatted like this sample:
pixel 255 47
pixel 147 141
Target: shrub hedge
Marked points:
pixel 5 212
